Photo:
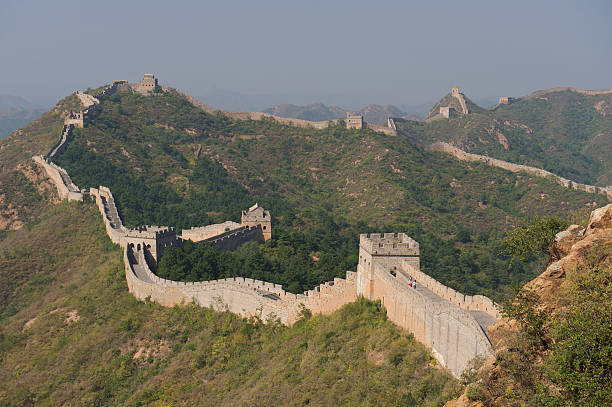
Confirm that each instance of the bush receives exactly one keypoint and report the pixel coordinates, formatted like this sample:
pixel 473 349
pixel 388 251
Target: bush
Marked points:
pixel 474 392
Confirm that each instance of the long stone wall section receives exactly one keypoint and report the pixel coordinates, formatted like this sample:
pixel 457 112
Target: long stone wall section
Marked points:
pixel 462 103
pixel 289 121
pixel 65 187
pixel 453 334
pixel 451 324
pixel 465 156
pixel 540 93
pixel 243 296
pixel 466 302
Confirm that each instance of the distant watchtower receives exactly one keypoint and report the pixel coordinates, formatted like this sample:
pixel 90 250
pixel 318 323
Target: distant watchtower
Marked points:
pixel 505 100
pixel 455 91
pixel 256 215
pixel 147 84
pixel 383 250
pixel 354 121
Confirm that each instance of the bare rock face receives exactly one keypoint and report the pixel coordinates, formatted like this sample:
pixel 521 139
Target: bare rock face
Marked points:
pixel 601 218
pixel 565 240
pixel 570 245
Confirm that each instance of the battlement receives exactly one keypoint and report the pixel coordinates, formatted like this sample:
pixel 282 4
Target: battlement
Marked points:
pixel 389 244
pixel 151 232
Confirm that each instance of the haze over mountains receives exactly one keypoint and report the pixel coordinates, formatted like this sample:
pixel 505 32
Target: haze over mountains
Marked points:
pixel 319 112
pixel 16 112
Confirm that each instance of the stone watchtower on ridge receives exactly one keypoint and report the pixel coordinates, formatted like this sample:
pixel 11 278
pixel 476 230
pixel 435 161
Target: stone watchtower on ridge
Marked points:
pixel 256 215
pixel 388 250
pixel 147 84
pixel 354 121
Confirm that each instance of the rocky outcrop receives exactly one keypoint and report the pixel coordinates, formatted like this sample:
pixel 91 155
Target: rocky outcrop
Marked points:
pixel 570 246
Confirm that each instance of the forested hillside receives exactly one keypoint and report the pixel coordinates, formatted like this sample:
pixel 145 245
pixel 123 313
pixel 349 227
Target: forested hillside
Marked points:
pixel 167 162
pixel 562 131
pixel 72 334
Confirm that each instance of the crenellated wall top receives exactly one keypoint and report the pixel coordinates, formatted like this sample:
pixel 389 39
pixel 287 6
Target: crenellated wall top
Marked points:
pixel 389 244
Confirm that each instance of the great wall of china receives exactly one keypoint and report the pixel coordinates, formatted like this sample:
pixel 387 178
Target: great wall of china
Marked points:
pixel 465 156
pixel 451 324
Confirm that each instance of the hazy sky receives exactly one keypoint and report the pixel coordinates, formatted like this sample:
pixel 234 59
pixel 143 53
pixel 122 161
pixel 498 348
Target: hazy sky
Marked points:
pixel 356 52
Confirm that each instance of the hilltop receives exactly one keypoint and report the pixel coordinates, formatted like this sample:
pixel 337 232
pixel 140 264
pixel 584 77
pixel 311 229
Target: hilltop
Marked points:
pixel 566 131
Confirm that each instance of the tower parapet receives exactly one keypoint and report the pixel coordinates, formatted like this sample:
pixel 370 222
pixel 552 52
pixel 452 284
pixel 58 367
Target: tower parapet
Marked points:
pixel 389 244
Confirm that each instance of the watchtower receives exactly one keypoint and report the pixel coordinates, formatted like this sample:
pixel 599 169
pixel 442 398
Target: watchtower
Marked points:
pixel 455 91
pixel 354 121
pixel 75 118
pixel 147 83
pixel 387 250
pixel 256 215
pixel 153 239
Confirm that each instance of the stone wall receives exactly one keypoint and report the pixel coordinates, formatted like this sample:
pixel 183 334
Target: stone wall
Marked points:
pixel 465 156
pixel 65 187
pixel 232 239
pixel 452 334
pixel 540 93
pixel 112 222
pixel 451 324
pixel 243 296
pixel 466 302
pixel 457 95
pixel 198 234
pixel 283 120
pixel 61 143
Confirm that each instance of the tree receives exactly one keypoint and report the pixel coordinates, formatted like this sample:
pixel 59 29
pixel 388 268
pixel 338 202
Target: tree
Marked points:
pixel 533 238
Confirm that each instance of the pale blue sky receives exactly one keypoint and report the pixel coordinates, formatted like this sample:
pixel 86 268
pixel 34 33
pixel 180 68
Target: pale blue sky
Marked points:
pixel 349 52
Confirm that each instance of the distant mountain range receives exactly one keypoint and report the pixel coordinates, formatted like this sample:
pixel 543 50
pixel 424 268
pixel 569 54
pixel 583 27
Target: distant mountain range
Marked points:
pixel 320 112
pixel 16 112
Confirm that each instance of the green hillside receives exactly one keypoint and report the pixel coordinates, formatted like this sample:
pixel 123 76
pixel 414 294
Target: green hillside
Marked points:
pixel 71 334
pixel 169 163
pixel 565 132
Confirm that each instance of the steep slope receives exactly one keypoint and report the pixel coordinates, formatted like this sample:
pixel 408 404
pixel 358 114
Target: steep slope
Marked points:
pixel 565 131
pixel 71 334
pixel 553 349
pixel 167 162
